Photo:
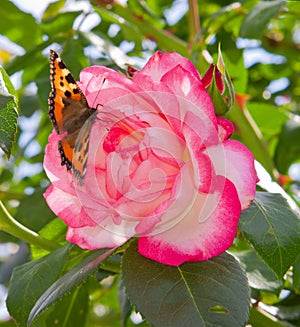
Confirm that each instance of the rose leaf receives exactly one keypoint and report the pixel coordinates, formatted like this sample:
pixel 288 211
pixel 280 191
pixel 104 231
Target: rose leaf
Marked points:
pixel 273 229
pixel 209 293
pixel 29 281
pixel 8 113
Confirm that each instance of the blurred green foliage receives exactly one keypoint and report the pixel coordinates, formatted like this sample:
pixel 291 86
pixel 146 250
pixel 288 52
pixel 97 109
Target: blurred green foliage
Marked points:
pixel 260 42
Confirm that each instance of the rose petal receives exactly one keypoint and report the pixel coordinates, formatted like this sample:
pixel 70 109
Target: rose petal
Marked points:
pixel 234 161
pixel 92 238
pixel 57 173
pixel 67 207
pixel 101 84
pixel 169 212
pixel 186 86
pixel 161 63
pixel 207 231
pixel 225 128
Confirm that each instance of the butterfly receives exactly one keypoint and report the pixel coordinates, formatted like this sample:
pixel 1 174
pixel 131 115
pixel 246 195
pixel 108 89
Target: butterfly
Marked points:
pixel 70 113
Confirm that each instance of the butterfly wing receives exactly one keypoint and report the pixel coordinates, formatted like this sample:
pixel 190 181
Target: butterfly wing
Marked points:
pixel 66 151
pixel 81 149
pixel 68 107
pixel 64 91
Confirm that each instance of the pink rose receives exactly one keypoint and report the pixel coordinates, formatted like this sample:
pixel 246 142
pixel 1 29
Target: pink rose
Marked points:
pixel 160 166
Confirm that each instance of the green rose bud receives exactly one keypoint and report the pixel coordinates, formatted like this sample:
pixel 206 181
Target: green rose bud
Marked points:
pixel 218 84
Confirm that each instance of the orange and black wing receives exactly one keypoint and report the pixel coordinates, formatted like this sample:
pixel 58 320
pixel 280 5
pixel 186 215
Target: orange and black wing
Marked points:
pixel 64 89
pixel 81 149
pixel 68 107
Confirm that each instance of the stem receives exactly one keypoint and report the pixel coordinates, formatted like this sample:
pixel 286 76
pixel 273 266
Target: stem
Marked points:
pixel 82 20
pixel 9 225
pixel 248 130
pixel 194 22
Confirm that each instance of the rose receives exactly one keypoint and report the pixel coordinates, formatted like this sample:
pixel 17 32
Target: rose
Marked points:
pixel 160 166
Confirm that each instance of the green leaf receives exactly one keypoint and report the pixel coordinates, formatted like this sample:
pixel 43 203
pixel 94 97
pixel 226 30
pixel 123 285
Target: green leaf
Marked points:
pixel 293 7
pixel 34 219
pixel 217 19
pixel 55 230
pixel 70 280
pixel 8 113
pixel 260 276
pixel 5 99
pixel 74 57
pixel 6 87
pixel 29 104
pixel 42 81
pixel 71 310
pixel 53 9
pixel 273 229
pixel 125 306
pixel 289 309
pixel 29 59
pixel 236 68
pixel 260 319
pixel 257 19
pixel 60 23
pixel 210 293
pixel 296 275
pixel 268 118
pixel 30 280
pixel 30 72
pixel 288 147
pixel 130 31
pixel 18 26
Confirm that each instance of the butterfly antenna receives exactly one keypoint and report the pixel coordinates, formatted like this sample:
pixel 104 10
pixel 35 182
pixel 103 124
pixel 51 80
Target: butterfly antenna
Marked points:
pixel 95 99
pixel 105 120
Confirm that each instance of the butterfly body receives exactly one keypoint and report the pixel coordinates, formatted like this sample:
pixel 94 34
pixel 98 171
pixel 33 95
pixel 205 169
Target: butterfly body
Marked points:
pixel 71 115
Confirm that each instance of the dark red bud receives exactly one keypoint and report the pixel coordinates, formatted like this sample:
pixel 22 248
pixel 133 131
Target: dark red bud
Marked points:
pixel 219 80
pixel 207 78
pixel 131 71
